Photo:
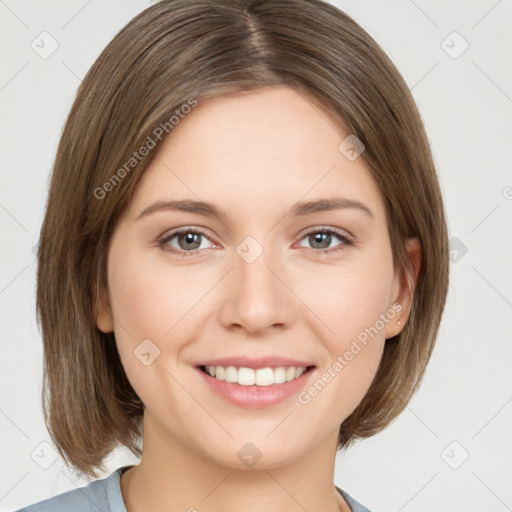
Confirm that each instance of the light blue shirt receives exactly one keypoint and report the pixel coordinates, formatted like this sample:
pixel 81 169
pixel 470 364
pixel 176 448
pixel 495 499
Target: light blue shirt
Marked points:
pixel 105 496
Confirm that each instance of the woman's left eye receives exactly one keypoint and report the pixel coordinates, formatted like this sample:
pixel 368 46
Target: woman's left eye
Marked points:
pixel 189 241
pixel 321 238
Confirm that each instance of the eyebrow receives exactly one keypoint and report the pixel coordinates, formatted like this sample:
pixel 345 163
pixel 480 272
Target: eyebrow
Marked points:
pixel 299 209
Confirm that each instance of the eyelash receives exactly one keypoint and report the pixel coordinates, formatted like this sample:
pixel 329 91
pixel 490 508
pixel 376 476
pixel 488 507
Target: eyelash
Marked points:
pixel 346 241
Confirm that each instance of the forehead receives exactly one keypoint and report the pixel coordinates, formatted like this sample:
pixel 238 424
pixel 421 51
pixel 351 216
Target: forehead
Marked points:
pixel 265 147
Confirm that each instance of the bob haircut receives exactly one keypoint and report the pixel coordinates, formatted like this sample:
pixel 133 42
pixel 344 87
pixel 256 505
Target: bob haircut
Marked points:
pixel 173 54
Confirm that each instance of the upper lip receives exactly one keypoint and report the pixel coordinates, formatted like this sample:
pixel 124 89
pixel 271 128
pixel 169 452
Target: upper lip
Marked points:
pixel 256 362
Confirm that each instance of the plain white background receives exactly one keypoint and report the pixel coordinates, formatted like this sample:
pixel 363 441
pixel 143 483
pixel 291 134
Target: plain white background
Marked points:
pixel 451 449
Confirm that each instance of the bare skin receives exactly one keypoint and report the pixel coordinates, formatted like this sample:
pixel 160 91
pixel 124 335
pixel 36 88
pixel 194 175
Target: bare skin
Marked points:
pixel 255 156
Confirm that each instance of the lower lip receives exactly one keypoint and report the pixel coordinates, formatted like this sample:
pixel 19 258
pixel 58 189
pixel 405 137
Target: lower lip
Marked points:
pixel 256 396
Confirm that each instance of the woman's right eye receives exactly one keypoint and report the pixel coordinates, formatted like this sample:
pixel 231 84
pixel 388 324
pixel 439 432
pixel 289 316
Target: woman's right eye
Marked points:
pixel 185 239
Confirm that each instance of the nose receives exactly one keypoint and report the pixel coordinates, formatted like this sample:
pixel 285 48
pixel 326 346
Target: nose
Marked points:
pixel 257 296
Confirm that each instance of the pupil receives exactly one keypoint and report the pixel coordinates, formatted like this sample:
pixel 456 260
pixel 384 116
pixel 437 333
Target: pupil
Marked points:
pixel 318 238
pixel 189 239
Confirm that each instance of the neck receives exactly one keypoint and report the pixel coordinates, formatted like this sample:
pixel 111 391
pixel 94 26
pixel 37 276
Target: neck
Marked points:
pixel 171 477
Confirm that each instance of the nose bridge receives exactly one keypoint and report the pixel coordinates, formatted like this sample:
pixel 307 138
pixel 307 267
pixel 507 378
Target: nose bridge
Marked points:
pixel 257 298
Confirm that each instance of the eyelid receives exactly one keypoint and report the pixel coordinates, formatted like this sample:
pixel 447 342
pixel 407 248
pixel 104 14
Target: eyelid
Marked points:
pixel 331 229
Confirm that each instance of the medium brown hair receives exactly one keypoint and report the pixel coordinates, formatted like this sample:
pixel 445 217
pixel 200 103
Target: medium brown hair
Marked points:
pixel 172 52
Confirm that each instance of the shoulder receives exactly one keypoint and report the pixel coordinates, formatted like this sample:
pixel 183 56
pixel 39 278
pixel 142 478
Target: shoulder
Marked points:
pixel 101 495
pixel 354 505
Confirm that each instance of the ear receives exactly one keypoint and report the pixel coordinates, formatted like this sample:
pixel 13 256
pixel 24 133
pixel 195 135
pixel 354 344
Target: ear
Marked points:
pixel 403 289
pixel 104 317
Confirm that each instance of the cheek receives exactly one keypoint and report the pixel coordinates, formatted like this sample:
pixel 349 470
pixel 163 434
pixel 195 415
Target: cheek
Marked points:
pixel 138 304
pixel 353 305
pixel 154 300
pixel 151 298
pixel 349 298
pixel 141 310
pixel 150 306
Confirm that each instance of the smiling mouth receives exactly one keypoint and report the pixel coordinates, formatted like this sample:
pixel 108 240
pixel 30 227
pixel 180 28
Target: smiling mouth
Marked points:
pixel 244 376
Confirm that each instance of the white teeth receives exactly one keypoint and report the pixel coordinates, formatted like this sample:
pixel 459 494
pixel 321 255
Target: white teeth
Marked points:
pixel 219 372
pixel 246 376
pixel 264 377
pixel 279 375
pixel 250 377
pixel 230 375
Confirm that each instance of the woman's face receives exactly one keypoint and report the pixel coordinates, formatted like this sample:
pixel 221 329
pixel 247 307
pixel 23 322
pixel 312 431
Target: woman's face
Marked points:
pixel 278 282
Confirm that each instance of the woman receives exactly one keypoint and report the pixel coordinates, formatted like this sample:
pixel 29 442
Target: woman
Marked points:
pixel 243 262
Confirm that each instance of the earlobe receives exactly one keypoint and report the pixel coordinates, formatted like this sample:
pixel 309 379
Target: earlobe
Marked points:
pixel 104 318
pixel 404 295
